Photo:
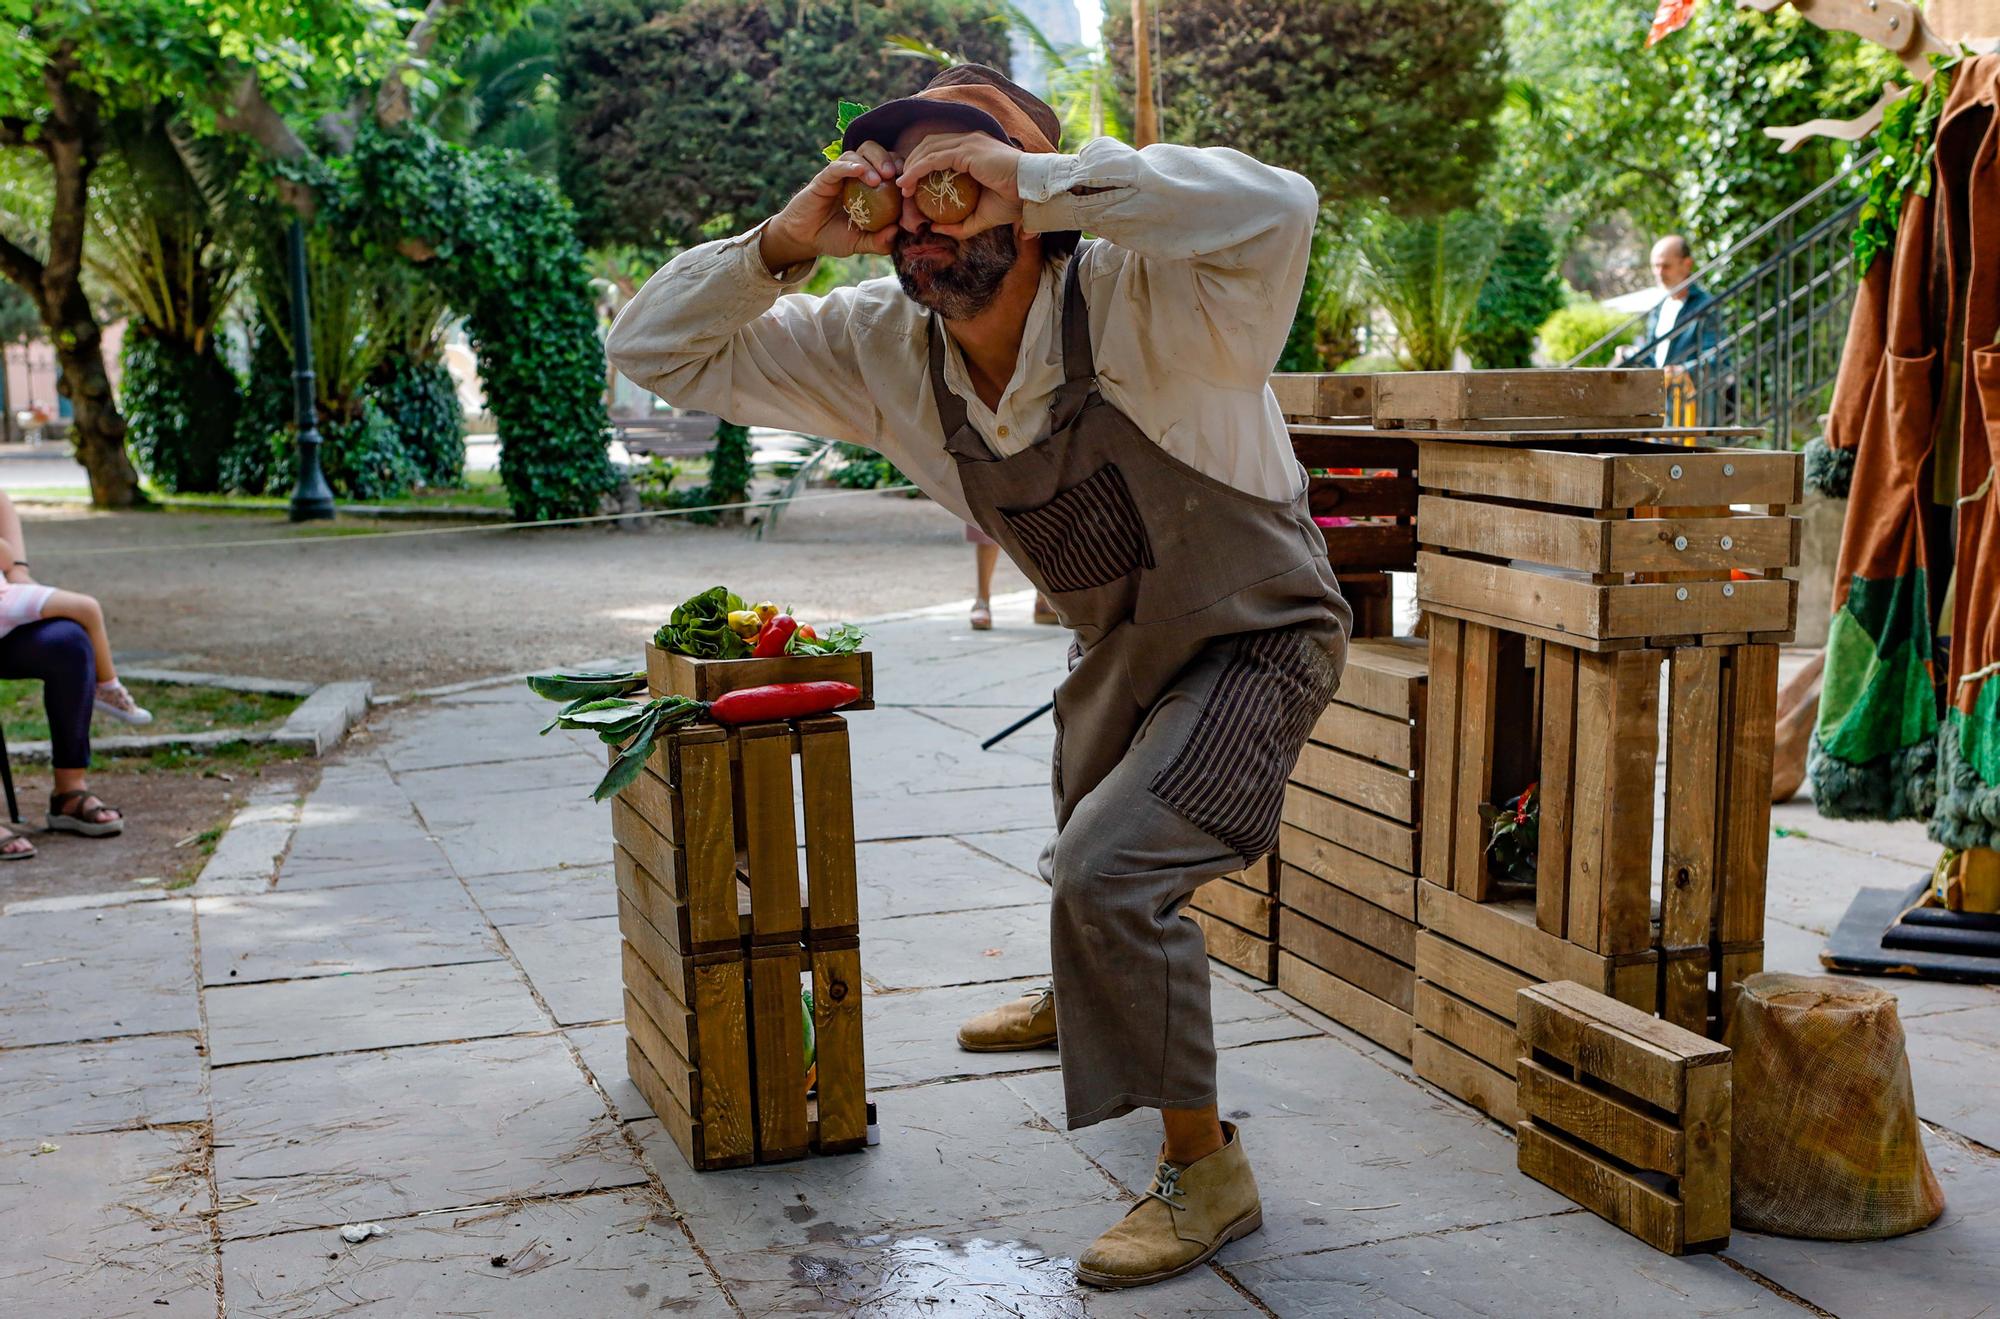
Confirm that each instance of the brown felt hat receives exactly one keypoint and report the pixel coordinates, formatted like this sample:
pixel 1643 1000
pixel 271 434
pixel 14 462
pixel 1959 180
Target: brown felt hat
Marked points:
pixel 983 100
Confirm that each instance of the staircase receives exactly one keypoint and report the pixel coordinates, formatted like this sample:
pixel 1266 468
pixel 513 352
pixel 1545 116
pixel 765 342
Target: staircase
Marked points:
pixel 1772 337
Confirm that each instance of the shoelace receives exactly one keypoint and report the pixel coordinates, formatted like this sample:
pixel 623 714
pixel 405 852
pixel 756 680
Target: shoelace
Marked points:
pixel 1167 1185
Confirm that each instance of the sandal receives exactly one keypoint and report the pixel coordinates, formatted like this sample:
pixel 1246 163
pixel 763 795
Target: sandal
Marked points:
pixel 982 616
pixel 8 852
pixel 84 814
pixel 1045 613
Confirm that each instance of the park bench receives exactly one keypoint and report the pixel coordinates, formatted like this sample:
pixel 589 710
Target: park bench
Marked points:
pixel 678 435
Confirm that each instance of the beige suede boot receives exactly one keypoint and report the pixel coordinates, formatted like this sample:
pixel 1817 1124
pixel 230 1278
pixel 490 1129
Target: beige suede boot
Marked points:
pixel 1028 1022
pixel 1188 1214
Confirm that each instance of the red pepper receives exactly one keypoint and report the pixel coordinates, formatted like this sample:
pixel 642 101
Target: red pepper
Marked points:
pixel 781 700
pixel 771 641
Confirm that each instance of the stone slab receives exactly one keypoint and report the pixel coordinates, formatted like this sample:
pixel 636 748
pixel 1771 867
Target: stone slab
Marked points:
pixel 911 952
pixel 1901 841
pixel 96 974
pixel 565 893
pixel 323 718
pixel 359 829
pixel 439 793
pixel 926 875
pixel 1008 1266
pixel 501 834
pixel 246 856
pixel 613 1254
pixel 1572 1264
pixel 1345 1151
pixel 325 1141
pixel 603 1051
pixel 1949 1270
pixel 903 748
pixel 1019 848
pixel 893 814
pixel 112 1223
pixel 379 1010
pixel 1955 1067
pixel 949 1153
pixel 1811 882
pixel 912 1034
pixel 433 736
pixel 337 931
pixel 148 1080
pixel 575 967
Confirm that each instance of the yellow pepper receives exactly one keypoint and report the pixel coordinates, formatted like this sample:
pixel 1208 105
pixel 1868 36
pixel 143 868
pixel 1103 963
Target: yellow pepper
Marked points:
pixel 766 611
pixel 745 623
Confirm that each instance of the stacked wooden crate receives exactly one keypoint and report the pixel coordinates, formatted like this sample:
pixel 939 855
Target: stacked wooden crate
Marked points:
pixel 1627 1115
pixel 1238 915
pixel 718 939
pixel 1561 567
pixel 1348 848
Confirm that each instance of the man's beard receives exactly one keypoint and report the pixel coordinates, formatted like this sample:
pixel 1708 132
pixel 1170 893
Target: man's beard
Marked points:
pixel 966 284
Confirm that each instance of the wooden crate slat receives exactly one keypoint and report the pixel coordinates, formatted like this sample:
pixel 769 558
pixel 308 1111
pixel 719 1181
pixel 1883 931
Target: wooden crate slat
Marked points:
pixel 1479 686
pixel 661 1001
pixel 1459 1074
pixel 1323 393
pixel 1641 477
pixel 650 797
pixel 674 1071
pixel 1688 884
pixel 1362 497
pixel 1364 876
pixel 1670 609
pixel 701 773
pixel 1472 976
pixel 1606 1190
pixel 1615 1042
pixel 1709 1124
pixel 842 1083
pixel 1253 956
pixel 1241 906
pixel 704 680
pixel 1386 675
pixel 1369 784
pixel 1449 396
pixel 1391 981
pixel 1375 927
pixel 1749 732
pixel 769 834
pixel 1389 841
pixel 1555 787
pixel 1611 839
pixel 1447 636
pixel 826 785
pixel 1473 1029
pixel 1327 446
pixel 1261 875
pixel 1507 933
pixel 1607 545
pixel 1601 1120
pixel 1381 545
pixel 1393 741
pixel 1351 1006
pixel 778 1046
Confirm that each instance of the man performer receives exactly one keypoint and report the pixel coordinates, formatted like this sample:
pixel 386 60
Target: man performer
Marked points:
pixel 1101 410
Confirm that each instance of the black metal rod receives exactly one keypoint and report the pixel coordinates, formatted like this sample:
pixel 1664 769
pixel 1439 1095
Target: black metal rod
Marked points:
pixel 1016 726
pixel 312 498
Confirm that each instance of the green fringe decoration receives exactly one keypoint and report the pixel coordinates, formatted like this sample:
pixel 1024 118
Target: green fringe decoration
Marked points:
pixel 1899 785
pixel 1829 471
pixel 1968 807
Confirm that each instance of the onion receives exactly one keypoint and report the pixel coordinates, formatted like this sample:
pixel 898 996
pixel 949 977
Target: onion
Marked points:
pixel 870 209
pixel 945 196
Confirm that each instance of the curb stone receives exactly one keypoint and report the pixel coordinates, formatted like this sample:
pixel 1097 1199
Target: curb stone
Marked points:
pixel 319 722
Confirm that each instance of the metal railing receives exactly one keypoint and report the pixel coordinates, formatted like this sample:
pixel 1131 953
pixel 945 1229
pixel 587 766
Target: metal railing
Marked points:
pixel 1770 338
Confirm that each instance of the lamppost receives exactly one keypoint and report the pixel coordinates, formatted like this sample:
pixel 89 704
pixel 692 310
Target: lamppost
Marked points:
pixel 312 499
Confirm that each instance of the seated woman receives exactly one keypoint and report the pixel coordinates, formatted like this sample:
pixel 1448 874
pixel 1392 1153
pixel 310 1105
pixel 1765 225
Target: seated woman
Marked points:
pixel 59 638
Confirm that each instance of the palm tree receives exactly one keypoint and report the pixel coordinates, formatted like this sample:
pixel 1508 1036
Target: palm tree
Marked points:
pixel 1426 272
pixel 1080 87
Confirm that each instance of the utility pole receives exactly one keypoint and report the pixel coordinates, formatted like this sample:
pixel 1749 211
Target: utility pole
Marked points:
pixel 1146 119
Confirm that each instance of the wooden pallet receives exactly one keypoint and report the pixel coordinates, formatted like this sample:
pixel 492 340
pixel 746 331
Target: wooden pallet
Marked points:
pixel 1238 915
pixel 1627 1115
pixel 718 935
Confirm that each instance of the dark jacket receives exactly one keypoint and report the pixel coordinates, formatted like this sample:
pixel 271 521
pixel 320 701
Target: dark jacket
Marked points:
pixel 1690 337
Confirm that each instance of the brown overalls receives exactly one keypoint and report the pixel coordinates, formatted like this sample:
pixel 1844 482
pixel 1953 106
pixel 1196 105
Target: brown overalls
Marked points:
pixel 1210 635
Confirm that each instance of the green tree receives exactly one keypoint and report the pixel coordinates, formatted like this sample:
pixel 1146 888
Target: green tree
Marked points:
pixel 684 118
pixel 70 67
pixel 1426 272
pixel 1371 99
pixel 1522 290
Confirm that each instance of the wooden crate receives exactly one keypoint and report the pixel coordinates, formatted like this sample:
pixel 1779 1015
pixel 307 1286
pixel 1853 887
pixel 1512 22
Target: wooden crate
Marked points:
pixel 1472 961
pixel 1596 398
pixel 669 674
pixel 1627 1115
pixel 1625 546
pixel 1347 957
pixel 718 935
pixel 1238 915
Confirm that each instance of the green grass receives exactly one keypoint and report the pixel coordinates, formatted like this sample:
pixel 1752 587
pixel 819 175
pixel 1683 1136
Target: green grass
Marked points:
pixel 176 709
pixel 230 758
pixel 481 490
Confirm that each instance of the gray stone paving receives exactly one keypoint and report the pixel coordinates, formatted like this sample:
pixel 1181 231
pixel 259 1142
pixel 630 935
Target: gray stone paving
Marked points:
pixel 422 1031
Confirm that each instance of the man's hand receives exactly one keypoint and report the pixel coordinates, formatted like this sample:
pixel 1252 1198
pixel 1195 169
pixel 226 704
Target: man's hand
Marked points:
pixel 994 165
pixel 813 223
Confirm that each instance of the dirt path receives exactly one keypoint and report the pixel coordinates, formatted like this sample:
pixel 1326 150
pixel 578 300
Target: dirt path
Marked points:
pixel 419 612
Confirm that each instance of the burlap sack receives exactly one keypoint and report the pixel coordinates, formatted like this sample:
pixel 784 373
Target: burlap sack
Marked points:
pixel 1826 1143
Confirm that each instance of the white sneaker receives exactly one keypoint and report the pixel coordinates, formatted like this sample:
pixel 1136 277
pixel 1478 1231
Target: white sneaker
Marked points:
pixel 114 700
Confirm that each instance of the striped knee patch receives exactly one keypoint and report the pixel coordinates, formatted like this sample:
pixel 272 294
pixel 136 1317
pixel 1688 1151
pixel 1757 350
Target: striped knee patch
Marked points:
pixel 1229 779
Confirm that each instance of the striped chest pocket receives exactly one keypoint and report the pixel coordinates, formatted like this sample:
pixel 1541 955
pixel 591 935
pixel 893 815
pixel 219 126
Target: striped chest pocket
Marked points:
pixel 1089 535
pixel 1229 779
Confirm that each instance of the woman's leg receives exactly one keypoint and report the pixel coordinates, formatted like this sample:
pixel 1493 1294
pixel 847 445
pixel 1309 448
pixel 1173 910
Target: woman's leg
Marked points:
pixel 59 654
pixel 85 610
pixel 985 558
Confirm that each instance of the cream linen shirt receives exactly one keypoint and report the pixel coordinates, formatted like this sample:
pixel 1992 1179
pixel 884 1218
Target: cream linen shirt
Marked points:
pixel 1190 293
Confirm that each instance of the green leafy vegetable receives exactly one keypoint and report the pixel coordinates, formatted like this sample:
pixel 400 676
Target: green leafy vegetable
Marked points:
pixel 848 112
pixel 842 639
pixel 700 627
pixel 630 724
pixel 585 686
